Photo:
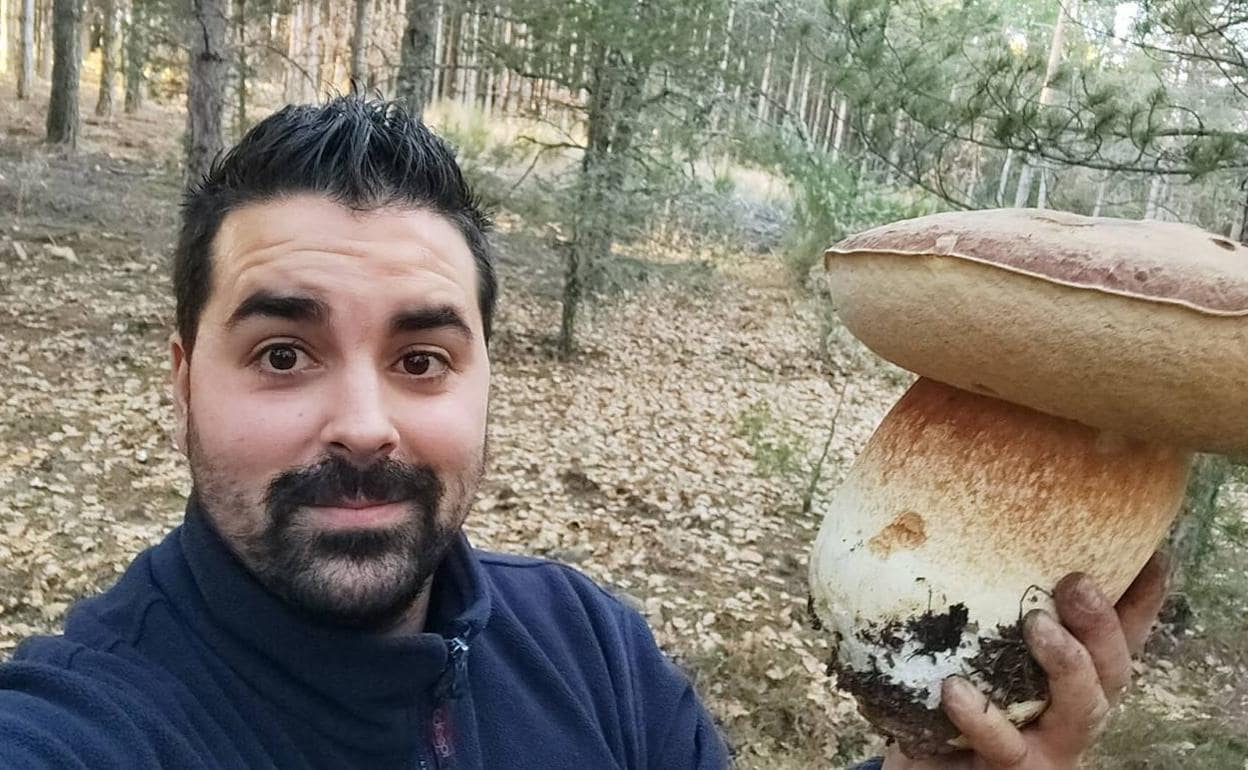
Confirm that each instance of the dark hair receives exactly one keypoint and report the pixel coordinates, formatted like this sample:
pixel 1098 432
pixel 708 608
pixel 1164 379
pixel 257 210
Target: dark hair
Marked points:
pixel 362 153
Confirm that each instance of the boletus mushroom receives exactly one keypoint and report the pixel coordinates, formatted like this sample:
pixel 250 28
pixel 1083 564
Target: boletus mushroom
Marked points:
pixel 1068 369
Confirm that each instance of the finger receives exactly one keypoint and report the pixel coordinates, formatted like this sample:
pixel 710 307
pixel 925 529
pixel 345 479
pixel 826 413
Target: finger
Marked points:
pixel 1139 606
pixel 1077 704
pixel 895 759
pixel 1090 617
pixel 987 731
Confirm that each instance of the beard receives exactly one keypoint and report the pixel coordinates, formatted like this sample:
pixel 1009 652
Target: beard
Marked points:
pixel 363 578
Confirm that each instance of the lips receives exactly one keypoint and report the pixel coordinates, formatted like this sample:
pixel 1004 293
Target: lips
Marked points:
pixel 355 504
pixel 359 513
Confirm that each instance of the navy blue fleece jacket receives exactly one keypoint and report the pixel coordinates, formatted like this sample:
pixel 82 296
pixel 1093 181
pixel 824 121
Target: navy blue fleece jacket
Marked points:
pixel 189 663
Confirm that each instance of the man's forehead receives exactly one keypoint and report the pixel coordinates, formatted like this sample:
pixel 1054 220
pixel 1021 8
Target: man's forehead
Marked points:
pixel 312 218
pixel 311 245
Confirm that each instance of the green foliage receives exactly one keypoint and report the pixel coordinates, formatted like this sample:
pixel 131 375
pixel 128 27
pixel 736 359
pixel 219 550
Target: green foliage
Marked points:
pixel 469 132
pixel 1193 536
pixel 779 452
pixel 1216 585
pixel 1139 738
pixel 1215 589
pixel 623 274
pixel 830 200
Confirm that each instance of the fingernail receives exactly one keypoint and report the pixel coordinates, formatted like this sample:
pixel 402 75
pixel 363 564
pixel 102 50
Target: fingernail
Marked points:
pixel 1042 628
pixel 959 692
pixel 1088 596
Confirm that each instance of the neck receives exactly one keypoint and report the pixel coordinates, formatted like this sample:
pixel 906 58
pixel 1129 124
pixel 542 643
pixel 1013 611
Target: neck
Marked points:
pixel 413 620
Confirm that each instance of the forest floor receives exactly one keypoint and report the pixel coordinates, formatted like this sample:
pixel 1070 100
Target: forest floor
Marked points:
pixel 668 460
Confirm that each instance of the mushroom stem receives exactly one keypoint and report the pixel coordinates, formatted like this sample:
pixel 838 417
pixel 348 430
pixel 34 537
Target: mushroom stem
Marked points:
pixel 960 516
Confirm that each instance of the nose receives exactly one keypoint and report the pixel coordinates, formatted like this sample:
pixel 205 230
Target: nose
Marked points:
pixel 360 427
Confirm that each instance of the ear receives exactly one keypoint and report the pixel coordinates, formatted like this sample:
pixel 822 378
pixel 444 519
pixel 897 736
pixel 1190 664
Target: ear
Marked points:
pixel 180 386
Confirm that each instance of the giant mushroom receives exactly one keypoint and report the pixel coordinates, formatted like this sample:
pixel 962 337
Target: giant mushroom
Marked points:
pixel 1069 367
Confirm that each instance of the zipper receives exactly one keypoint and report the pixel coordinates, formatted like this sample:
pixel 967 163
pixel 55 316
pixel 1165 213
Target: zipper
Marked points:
pixel 450 684
pixel 438 749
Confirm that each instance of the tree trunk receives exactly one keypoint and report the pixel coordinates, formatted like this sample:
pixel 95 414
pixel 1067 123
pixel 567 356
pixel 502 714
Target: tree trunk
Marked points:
pixel 491 77
pixel 1192 537
pixel 1239 227
pixel 721 79
pixel 1023 194
pixel 615 100
pixel 792 84
pixel 461 52
pixel 292 72
pixel 506 76
pixel 240 93
pixel 46 14
pixel 762 109
pixel 415 83
pixel 359 46
pixel 66 67
pixel 842 117
pixel 1004 182
pixel 26 69
pixel 972 184
pixel 827 127
pixel 136 56
pixel 110 54
pixel 5 29
pixel 450 56
pixel 1154 194
pixel 804 97
pixel 1100 194
pixel 868 142
pixel 205 96
pixel 312 52
pixel 813 119
pixel 436 77
pixel 894 149
pixel 474 60
pixel 740 75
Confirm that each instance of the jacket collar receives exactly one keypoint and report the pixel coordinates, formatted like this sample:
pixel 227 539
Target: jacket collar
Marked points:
pixel 363 689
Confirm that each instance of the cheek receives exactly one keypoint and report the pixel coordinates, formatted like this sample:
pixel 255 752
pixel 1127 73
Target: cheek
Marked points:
pixel 248 431
pixel 447 432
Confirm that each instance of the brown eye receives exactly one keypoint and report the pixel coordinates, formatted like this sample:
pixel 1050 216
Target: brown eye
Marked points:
pixel 423 364
pixel 282 357
pixel 417 363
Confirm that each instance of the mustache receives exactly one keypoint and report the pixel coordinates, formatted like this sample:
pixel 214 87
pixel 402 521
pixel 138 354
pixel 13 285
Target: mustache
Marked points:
pixel 334 481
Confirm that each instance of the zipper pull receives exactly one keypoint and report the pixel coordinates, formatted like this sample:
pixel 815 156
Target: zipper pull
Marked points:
pixel 451 683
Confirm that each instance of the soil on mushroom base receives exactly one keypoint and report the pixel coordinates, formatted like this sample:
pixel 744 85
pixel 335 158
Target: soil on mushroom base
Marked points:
pixel 1003 662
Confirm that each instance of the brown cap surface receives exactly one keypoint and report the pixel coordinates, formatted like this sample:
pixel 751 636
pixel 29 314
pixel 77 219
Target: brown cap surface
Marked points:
pixel 1135 327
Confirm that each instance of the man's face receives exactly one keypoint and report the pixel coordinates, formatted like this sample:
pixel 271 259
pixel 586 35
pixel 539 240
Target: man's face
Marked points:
pixel 334 413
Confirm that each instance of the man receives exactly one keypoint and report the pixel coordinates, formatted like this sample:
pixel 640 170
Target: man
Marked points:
pixel 319 606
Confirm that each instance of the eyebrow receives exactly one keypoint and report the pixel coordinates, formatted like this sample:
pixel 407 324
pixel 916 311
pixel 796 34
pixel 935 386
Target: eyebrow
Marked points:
pixel 295 307
pixel 425 319
pixel 287 307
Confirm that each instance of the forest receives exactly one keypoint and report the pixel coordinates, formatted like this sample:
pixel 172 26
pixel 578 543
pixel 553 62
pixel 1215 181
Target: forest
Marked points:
pixel 673 396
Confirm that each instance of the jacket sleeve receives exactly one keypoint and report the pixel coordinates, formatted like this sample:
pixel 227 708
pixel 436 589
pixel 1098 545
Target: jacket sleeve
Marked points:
pixel 58 716
pixel 875 763
pixel 679 732
pixel 55 719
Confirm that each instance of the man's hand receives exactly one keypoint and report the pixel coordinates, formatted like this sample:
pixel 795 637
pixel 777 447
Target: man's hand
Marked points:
pixel 1088 663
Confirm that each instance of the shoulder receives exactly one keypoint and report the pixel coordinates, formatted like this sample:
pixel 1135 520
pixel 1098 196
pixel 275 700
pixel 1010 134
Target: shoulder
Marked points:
pixel 560 613
pixel 88 698
pixel 605 649
pixel 533 587
pixel 62 703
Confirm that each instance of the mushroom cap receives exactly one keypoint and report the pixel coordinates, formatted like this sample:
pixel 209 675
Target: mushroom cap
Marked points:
pixel 1134 327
